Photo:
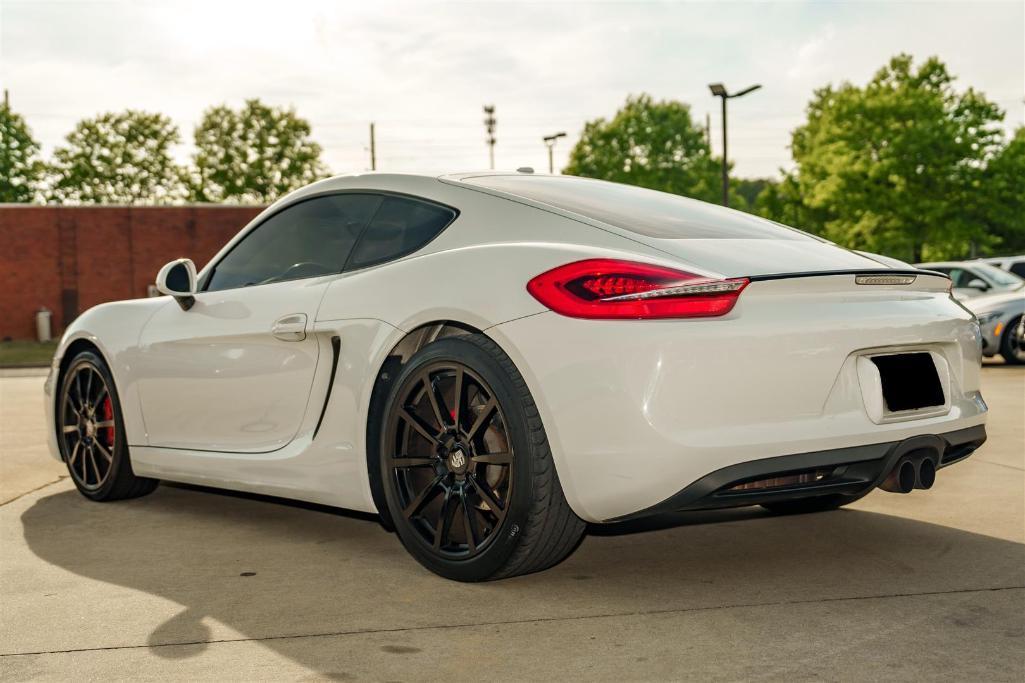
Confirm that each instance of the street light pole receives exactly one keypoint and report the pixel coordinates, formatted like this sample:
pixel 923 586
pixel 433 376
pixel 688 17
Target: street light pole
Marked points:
pixel 550 144
pixel 725 166
pixel 719 90
pixel 489 126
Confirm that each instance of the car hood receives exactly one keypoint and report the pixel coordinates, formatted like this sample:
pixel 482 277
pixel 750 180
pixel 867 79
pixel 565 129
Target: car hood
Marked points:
pixel 989 302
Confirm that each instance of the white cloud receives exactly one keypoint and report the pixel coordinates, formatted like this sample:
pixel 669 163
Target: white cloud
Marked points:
pixel 423 70
pixel 810 59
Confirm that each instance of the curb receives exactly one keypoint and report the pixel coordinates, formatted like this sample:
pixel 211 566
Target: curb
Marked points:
pixel 25 371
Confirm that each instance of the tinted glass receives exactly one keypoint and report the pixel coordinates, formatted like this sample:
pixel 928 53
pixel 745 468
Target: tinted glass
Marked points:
pixel 959 276
pixel 312 238
pixel 1018 268
pixel 400 227
pixel 646 212
pixel 999 276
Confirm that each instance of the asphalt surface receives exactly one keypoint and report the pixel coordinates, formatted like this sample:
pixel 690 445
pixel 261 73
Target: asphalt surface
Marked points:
pixel 200 585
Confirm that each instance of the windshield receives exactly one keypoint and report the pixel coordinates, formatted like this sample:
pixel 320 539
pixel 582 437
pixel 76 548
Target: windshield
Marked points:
pixel 1000 277
pixel 645 212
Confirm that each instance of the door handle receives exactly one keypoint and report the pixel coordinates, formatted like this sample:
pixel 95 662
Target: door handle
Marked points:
pixel 291 327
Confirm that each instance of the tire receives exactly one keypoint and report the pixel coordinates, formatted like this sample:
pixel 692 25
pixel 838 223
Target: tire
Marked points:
pixel 91 434
pixel 484 465
pixel 802 506
pixel 1012 342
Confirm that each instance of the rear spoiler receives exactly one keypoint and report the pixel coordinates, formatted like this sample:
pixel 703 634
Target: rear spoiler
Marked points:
pixel 826 273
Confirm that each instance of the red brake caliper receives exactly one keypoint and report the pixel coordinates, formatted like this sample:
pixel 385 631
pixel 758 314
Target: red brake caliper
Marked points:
pixel 108 414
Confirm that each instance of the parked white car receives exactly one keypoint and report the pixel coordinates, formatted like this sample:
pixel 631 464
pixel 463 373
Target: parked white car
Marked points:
pixel 1014 264
pixel 491 360
pixel 975 278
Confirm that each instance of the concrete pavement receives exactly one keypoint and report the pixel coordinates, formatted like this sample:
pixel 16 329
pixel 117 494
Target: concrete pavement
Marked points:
pixel 24 464
pixel 193 584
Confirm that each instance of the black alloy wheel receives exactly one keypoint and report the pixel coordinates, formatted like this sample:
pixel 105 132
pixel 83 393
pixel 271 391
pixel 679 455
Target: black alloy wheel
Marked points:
pixel 87 419
pixel 452 464
pixel 463 456
pixel 90 433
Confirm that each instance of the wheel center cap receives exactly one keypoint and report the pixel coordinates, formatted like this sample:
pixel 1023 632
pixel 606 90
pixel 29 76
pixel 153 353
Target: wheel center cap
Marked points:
pixel 90 428
pixel 457 460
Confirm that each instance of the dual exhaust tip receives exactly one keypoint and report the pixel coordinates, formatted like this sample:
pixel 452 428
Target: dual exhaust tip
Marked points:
pixel 911 472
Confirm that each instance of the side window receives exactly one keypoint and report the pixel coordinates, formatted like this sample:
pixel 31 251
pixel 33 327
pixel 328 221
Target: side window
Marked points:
pixel 400 227
pixel 968 276
pixel 1018 268
pixel 959 276
pixel 308 239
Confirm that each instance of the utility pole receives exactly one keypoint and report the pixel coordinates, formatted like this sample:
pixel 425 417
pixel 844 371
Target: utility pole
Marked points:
pixel 708 130
pixel 549 141
pixel 7 100
pixel 719 90
pixel 373 149
pixel 489 126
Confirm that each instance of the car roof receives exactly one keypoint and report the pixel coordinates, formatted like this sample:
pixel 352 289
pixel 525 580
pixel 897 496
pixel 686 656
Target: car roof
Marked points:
pixel 1002 259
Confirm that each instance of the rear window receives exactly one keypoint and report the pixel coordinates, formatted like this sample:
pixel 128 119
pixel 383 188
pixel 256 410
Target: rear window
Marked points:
pixel 400 227
pixel 646 212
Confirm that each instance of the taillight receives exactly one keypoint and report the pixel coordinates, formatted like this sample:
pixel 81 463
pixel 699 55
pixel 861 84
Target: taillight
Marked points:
pixel 612 289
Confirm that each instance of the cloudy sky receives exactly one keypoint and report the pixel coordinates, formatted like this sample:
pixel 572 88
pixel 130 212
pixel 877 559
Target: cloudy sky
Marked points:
pixel 422 70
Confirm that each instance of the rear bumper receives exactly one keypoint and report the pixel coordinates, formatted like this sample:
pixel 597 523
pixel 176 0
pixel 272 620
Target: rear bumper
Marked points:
pixel 850 472
pixel 636 411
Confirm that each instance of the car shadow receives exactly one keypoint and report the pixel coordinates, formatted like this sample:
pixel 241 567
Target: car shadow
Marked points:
pixel 249 567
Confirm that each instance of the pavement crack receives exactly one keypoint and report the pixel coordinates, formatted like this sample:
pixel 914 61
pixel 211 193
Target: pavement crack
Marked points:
pixel 1000 464
pixel 38 488
pixel 513 622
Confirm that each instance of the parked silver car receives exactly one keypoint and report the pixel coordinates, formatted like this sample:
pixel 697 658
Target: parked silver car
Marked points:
pixel 1015 264
pixel 1002 320
pixel 975 278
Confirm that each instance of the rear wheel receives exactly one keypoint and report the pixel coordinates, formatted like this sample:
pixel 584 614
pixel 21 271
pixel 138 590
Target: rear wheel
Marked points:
pixel 466 468
pixel 91 435
pixel 1012 342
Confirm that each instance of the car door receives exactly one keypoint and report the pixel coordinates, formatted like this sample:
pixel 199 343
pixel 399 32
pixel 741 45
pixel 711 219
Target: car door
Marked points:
pixel 233 373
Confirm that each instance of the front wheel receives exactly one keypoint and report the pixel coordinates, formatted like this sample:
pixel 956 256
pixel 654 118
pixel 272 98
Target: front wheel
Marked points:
pixel 466 468
pixel 91 434
pixel 1012 342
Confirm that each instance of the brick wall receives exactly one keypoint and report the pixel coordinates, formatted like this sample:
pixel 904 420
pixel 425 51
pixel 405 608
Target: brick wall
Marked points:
pixel 67 259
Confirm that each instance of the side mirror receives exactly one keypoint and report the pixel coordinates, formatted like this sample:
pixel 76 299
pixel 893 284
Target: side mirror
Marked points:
pixel 976 283
pixel 178 279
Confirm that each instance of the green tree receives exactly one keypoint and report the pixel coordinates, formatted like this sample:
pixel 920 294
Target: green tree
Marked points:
pixel 255 154
pixel 749 189
pixel 895 166
pixel 118 158
pixel 1003 192
pixel 651 144
pixel 21 171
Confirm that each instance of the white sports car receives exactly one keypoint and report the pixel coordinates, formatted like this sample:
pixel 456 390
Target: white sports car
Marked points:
pixel 491 360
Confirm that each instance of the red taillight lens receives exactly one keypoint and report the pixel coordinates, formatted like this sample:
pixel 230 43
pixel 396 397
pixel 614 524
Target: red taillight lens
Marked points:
pixel 612 289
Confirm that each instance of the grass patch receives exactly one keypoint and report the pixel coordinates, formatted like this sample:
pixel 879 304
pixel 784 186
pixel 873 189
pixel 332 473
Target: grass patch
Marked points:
pixel 26 354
